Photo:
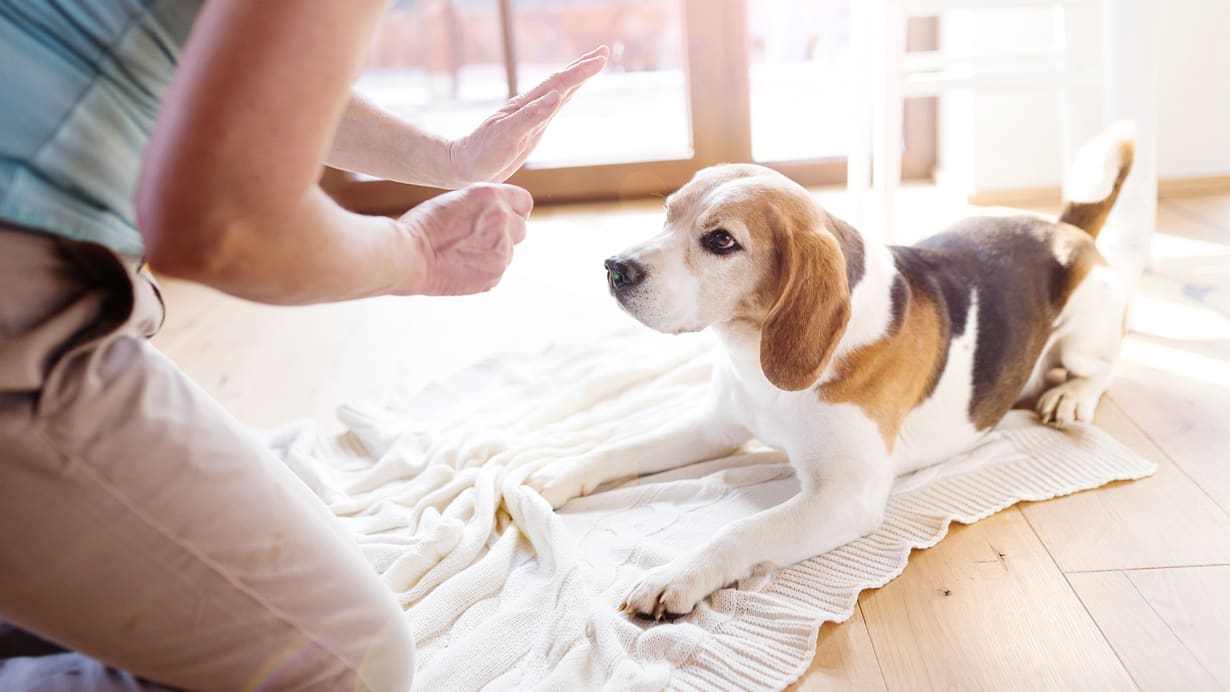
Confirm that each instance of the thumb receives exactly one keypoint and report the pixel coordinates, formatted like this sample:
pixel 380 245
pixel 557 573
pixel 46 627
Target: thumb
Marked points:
pixel 518 199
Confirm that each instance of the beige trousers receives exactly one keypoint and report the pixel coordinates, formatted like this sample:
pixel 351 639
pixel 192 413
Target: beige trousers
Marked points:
pixel 141 524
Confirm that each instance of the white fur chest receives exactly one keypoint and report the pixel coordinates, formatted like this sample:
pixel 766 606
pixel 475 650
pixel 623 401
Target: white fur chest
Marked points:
pixel 798 423
pixel 768 413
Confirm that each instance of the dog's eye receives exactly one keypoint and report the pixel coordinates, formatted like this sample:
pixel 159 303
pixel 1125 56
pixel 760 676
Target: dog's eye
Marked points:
pixel 719 242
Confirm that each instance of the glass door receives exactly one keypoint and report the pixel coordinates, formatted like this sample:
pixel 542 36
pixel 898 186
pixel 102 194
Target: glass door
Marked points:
pixel 690 83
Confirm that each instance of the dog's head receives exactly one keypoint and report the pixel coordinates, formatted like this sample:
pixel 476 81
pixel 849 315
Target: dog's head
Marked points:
pixel 743 243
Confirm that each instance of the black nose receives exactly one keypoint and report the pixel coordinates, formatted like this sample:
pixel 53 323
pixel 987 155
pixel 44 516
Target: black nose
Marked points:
pixel 623 274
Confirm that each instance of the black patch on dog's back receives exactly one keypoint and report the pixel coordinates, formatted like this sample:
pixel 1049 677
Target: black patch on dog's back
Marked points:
pixel 1019 282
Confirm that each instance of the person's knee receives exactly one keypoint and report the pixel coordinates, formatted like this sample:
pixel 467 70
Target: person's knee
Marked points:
pixel 366 646
pixel 388 662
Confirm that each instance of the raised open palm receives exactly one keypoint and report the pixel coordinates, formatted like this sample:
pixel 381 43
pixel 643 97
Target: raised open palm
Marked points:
pixel 502 143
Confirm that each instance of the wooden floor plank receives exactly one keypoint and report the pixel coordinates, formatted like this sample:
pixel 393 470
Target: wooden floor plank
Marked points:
pixel 1195 605
pixel 1174 373
pixel 1187 417
pixel 266 365
pixel 845 660
pixel 1212 211
pixel 1169 626
pixel 987 609
pixel 1162 521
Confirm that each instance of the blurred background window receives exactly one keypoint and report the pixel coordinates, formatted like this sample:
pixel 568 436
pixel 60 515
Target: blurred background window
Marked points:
pixel 441 64
pixel 799 54
pixel 690 83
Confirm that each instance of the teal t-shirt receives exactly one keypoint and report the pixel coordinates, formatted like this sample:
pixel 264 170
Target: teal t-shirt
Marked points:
pixel 80 84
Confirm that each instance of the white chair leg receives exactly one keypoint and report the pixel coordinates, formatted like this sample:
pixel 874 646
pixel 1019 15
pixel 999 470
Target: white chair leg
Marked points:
pixel 1066 108
pixel 1131 68
pixel 858 156
pixel 888 116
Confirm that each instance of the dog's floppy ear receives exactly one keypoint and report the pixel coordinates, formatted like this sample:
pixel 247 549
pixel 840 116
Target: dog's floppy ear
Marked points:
pixel 803 327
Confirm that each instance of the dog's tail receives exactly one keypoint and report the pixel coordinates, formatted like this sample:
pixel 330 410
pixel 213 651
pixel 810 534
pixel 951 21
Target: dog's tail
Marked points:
pixel 1098 174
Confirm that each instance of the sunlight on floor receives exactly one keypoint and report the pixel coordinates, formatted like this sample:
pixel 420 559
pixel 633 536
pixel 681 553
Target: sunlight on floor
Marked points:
pixel 1168 247
pixel 1178 361
pixel 1177 319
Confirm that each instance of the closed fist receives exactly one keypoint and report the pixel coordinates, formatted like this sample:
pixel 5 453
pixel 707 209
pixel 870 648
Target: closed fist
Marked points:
pixel 466 238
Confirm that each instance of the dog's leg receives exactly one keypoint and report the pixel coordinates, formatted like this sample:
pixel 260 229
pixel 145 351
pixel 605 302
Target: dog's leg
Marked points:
pixel 844 503
pixel 1088 353
pixel 703 435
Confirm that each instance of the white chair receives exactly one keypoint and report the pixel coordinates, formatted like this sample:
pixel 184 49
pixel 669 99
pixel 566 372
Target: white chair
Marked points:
pixel 884 75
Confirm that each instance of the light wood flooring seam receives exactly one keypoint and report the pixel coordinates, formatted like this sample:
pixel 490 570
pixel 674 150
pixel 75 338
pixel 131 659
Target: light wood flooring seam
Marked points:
pixel 1159 568
pixel 1169 457
pixel 875 653
pixel 1195 657
pixel 1106 638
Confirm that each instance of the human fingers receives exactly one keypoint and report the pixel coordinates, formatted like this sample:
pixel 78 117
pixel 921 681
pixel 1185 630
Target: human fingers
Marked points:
pixel 599 51
pixel 565 80
pixel 516 229
pixel 591 58
pixel 518 199
pixel 495 234
pixel 530 116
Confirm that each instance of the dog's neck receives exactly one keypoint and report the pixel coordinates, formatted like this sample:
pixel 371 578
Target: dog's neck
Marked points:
pixel 871 301
pixel 740 338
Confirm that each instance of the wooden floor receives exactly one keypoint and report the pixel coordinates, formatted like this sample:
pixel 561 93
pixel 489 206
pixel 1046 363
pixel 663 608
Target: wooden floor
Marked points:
pixel 1122 587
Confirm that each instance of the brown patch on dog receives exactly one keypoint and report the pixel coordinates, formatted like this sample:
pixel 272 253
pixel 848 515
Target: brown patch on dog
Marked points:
pixel 709 179
pixel 775 210
pixel 763 201
pixel 889 377
pixel 804 326
pixel 1077 253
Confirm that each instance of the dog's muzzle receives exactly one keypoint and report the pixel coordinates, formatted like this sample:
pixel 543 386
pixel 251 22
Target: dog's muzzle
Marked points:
pixel 623 274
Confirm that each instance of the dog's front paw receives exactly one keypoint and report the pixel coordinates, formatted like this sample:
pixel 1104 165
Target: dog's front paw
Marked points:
pixel 669 591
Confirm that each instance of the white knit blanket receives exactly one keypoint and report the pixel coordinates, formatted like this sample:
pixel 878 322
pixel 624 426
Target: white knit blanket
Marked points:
pixel 504 593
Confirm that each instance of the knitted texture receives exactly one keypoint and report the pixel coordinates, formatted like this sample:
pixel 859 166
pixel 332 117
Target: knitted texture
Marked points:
pixel 504 593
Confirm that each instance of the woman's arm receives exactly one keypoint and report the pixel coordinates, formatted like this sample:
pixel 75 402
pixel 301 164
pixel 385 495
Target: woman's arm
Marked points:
pixel 374 142
pixel 377 143
pixel 227 195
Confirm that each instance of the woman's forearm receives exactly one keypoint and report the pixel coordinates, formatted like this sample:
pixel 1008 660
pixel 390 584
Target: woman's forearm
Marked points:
pixel 372 141
pixel 310 252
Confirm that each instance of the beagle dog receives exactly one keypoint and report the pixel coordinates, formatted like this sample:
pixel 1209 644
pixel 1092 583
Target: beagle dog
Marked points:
pixel 860 361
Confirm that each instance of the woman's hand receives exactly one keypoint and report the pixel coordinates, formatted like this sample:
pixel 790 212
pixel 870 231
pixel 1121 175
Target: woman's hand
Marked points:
pixel 374 142
pixel 503 142
pixel 465 239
